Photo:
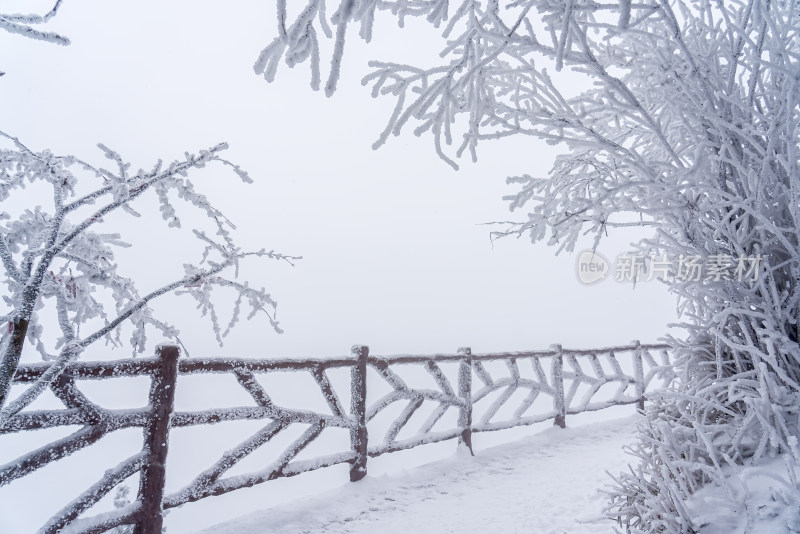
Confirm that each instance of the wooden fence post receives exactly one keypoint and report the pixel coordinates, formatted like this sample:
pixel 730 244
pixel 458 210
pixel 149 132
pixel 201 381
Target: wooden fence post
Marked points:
pixel 465 392
pixel 358 409
pixel 558 385
pixel 638 373
pixel 156 439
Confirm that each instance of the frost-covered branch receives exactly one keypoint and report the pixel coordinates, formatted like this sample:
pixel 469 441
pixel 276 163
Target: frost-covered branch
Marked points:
pixel 59 256
pixel 25 25
pixel 198 278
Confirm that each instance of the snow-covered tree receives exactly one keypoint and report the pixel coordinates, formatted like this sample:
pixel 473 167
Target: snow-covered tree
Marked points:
pixel 61 259
pixel 62 255
pixel 689 124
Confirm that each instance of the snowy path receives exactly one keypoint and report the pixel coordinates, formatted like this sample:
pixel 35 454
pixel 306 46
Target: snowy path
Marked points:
pixel 548 483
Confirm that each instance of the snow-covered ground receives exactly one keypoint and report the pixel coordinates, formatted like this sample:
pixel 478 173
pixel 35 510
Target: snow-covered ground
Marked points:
pixel 548 483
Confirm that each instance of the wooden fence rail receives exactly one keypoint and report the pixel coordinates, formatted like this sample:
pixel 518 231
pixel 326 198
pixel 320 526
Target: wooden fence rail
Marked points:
pixel 570 378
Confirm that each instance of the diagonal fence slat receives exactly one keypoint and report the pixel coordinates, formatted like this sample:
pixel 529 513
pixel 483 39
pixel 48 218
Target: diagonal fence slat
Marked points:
pixel 328 392
pixel 46 454
pixel 384 402
pixel 271 472
pixel 612 358
pixel 482 374
pixel 294 449
pixel 596 367
pixel 515 422
pixel 237 482
pixel 576 377
pixel 498 403
pixel 231 458
pixel 67 392
pixel 435 416
pixel 441 380
pixel 542 376
pixel 528 402
pixel 103 522
pixel 248 381
pixel 496 384
pixel 511 363
pixel 390 376
pixel 403 418
pixel 416 441
pixel 93 494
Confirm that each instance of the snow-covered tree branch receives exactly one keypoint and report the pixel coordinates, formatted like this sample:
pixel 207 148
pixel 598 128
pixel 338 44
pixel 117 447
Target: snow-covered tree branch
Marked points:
pixel 689 126
pixel 26 25
pixel 59 256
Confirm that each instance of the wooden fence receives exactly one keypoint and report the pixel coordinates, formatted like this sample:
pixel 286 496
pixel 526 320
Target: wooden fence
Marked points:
pixel 478 395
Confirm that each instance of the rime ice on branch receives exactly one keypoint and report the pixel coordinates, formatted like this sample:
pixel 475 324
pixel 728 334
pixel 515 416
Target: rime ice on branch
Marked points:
pixel 25 25
pixel 58 260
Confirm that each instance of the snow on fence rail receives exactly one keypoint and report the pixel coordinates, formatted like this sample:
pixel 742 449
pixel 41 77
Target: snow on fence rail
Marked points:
pixel 570 378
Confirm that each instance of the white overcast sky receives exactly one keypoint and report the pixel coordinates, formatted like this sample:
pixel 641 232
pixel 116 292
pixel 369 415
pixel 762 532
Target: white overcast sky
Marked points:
pixel 395 253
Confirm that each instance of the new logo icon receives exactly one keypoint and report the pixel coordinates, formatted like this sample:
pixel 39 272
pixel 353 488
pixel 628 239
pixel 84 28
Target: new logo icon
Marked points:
pixel 592 267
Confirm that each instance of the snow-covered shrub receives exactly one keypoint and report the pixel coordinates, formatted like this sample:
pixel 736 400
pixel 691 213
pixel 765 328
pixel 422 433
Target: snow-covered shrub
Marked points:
pixel 691 127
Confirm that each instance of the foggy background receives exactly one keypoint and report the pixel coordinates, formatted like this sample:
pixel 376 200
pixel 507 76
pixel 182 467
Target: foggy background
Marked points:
pixel 396 253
